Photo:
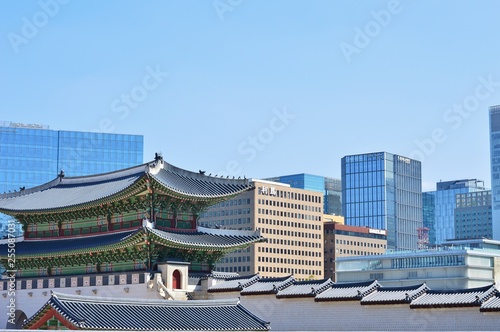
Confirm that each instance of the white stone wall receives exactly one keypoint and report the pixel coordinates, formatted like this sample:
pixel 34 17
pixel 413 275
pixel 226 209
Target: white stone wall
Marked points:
pixel 304 314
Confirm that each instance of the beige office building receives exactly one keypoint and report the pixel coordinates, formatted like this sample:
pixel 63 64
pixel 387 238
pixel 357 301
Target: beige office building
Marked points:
pixel 290 219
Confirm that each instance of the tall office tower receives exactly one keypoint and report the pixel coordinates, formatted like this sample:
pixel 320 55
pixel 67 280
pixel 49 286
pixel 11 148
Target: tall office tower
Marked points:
pixel 384 191
pixel 290 219
pixel 333 196
pixel 473 215
pixel 429 218
pixel 495 168
pixel 444 199
pixel 330 187
pixel 33 154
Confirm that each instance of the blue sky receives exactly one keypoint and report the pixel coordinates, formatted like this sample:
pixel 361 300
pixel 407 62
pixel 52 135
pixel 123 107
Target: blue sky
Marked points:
pixel 262 88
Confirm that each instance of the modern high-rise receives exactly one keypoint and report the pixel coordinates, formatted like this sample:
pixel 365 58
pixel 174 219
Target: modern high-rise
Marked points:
pixel 429 218
pixel 495 168
pixel 443 204
pixel 289 218
pixel 33 154
pixel 330 187
pixel 473 215
pixel 384 191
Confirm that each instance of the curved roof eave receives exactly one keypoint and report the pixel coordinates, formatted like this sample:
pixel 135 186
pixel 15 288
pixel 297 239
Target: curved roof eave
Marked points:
pixel 65 193
pixel 197 185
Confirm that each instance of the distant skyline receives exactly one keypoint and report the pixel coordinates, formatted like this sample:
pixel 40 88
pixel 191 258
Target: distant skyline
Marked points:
pixel 259 88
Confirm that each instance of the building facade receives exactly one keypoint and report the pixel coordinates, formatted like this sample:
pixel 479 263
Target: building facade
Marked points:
pixel 384 191
pixel 457 264
pixel 52 151
pixel 330 187
pixel 347 241
pixel 473 215
pixel 495 168
pixel 443 204
pixel 429 218
pixel 290 219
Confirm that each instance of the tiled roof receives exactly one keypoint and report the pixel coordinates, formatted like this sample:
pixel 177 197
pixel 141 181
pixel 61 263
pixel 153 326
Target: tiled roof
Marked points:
pixel 394 295
pixel 82 243
pixel 195 277
pixel 206 238
pixel 202 239
pixel 268 286
pixel 347 291
pixel 454 298
pixel 492 304
pixel 234 284
pixel 199 185
pixel 66 192
pixel 97 313
pixel 308 288
pixel 223 275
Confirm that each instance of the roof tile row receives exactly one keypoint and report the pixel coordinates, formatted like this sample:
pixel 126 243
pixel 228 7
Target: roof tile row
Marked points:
pixel 371 292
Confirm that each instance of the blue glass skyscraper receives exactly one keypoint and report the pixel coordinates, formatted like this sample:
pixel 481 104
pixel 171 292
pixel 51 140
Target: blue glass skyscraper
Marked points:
pixel 33 154
pixel 384 191
pixel 444 203
pixel 495 168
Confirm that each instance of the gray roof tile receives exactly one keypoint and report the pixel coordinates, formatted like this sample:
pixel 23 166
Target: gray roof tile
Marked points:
pixel 87 312
pixel 308 288
pixel 234 284
pixel 347 291
pixel 209 238
pixel 394 295
pixel 454 298
pixel 200 239
pixel 268 286
pixel 64 192
pixel 492 303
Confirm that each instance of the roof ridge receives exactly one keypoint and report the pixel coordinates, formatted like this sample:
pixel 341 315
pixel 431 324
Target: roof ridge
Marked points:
pixel 140 301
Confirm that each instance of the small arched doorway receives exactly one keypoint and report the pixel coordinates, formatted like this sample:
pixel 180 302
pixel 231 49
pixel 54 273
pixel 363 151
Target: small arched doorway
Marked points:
pixel 176 280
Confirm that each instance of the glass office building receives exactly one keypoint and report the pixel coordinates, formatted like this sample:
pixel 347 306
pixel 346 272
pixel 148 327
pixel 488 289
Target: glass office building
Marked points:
pixel 444 204
pixel 495 168
pixel 429 216
pixel 473 215
pixel 33 154
pixel 330 187
pixel 384 191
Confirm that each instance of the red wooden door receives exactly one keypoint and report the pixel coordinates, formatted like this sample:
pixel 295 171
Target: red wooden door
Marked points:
pixel 176 280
